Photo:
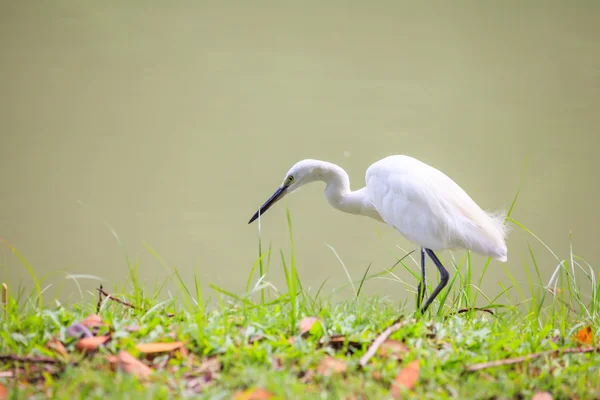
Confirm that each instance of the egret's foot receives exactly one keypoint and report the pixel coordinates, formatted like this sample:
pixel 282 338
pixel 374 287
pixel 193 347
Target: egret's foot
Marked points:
pixel 444 276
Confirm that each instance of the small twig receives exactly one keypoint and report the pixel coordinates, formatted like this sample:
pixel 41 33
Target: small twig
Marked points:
pixel 52 367
pixel 99 301
pixel 464 310
pixel 379 340
pixel 126 304
pixel 30 359
pixel 516 360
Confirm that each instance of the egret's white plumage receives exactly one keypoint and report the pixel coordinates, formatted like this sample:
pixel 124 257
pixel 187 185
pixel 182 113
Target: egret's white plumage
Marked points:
pixel 421 202
pixel 431 210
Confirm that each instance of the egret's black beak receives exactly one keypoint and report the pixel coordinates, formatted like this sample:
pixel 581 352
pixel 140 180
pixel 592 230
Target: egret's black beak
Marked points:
pixel 279 193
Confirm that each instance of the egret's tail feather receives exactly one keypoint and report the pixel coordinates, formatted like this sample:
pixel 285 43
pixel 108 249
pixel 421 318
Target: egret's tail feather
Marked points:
pixel 502 228
pixel 500 223
pixel 502 259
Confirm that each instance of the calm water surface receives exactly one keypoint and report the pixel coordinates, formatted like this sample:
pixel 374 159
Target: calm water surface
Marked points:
pixel 173 122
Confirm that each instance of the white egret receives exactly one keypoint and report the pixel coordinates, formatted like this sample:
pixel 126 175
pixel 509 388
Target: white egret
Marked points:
pixel 421 202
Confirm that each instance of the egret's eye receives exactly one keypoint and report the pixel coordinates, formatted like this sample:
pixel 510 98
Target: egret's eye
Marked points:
pixel 290 179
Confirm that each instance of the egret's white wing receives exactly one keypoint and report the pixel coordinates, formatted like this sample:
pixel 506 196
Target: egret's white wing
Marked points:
pixel 430 209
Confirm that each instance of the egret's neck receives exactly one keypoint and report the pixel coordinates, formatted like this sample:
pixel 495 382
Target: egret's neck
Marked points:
pixel 339 195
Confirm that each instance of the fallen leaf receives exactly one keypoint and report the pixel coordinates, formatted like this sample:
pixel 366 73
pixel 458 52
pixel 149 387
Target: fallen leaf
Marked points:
pixel 158 347
pixel 201 377
pixel 92 321
pixel 337 339
pixel 542 396
pixel 330 365
pixel 57 346
pixel 211 364
pixel 79 331
pixel 131 365
pixel 337 342
pixel 307 324
pixel 584 336
pixel 91 343
pixel 3 392
pixel 406 378
pixel 393 348
pixel 253 394
pixel 194 385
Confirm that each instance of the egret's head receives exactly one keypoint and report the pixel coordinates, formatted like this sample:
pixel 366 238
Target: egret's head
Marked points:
pixel 300 174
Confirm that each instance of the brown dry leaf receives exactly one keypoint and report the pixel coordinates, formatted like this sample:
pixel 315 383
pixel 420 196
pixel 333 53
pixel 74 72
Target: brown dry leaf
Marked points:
pixel 542 396
pixel 584 336
pixel 393 348
pixel 211 364
pixel 128 363
pixel 330 365
pixel 158 347
pixel 253 394
pixel 406 378
pixel 199 378
pixel 57 346
pixel 336 339
pixel 3 392
pixel 195 385
pixel 337 342
pixel 91 343
pixel 306 324
pixel 92 321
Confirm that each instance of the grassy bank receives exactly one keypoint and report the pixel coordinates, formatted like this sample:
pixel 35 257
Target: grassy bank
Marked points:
pixel 295 344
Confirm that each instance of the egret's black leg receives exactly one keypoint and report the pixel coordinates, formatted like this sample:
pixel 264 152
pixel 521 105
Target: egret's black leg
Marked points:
pixel 422 286
pixel 443 279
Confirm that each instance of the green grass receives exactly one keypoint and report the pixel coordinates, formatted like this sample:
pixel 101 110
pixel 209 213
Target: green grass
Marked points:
pixel 254 341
